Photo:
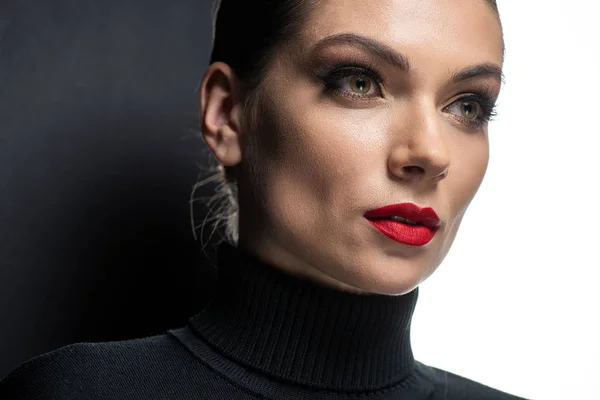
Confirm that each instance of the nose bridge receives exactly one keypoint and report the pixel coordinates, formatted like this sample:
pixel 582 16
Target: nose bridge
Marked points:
pixel 423 152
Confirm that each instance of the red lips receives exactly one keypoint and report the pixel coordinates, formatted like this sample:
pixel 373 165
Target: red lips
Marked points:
pixel 423 216
pixel 413 235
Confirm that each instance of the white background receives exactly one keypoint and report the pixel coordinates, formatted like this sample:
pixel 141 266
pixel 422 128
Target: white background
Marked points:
pixel 516 303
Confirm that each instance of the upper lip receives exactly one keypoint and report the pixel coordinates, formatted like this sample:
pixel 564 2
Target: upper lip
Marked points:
pixel 409 211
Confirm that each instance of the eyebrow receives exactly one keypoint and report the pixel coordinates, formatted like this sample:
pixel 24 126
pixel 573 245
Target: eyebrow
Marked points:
pixel 400 61
pixel 373 46
pixel 477 71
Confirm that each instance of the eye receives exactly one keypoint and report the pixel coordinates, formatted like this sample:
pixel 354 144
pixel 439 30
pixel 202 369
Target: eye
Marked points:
pixel 469 110
pixel 358 82
pixel 472 110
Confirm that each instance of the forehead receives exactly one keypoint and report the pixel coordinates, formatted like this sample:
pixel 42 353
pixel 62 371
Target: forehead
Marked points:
pixel 456 31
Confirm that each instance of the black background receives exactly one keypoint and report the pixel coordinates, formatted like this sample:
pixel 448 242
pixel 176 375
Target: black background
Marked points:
pixel 98 155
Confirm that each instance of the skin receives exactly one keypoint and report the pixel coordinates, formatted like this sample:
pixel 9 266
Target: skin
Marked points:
pixel 318 160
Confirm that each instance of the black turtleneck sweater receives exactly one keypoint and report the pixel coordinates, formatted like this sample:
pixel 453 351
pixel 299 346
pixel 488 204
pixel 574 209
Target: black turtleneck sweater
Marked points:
pixel 265 335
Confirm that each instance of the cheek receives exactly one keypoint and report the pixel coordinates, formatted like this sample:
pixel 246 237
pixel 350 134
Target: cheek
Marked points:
pixel 322 150
pixel 467 170
pixel 319 162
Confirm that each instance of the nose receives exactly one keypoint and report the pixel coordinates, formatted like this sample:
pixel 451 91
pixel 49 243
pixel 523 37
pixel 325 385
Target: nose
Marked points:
pixel 421 152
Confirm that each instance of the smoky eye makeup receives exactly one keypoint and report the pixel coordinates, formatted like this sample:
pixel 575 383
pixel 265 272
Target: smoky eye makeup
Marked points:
pixel 350 78
pixel 357 80
pixel 474 108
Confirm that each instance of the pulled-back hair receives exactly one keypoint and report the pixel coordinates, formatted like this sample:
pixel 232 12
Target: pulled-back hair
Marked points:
pixel 245 34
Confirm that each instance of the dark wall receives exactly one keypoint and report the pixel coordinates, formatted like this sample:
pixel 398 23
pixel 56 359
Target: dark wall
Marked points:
pixel 98 156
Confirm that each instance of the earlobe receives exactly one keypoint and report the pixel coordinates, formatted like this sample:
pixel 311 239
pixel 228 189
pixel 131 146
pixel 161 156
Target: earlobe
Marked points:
pixel 220 113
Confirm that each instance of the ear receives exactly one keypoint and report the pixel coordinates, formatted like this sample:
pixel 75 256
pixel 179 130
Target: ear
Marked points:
pixel 221 110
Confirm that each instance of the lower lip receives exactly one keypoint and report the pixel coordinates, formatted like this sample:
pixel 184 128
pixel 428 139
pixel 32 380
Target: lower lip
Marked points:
pixel 413 235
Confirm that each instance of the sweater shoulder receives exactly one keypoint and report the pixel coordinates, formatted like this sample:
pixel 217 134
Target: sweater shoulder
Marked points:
pixel 75 371
pixel 450 386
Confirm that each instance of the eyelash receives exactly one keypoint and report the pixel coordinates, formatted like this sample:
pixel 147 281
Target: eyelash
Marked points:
pixel 331 78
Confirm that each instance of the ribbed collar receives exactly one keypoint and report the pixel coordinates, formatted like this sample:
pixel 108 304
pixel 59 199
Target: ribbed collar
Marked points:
pixel 305 333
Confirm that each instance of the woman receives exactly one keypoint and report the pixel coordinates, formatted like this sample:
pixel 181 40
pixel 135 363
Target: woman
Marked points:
pixel 353 135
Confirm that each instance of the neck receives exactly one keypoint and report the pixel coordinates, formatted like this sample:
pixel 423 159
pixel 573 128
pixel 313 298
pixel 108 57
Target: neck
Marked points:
pixel 273 254
pixel 304 333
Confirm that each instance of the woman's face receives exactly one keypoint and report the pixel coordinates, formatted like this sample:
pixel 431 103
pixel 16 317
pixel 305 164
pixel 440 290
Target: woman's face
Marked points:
pixel 374 103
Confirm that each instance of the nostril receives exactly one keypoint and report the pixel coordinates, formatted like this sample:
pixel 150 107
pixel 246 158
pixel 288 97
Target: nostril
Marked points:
pixel 413 169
